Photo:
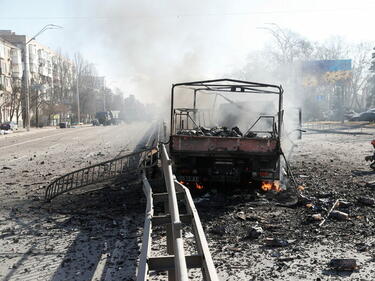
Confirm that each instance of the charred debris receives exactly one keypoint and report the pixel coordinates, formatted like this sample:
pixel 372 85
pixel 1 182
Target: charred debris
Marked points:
pixel 235 132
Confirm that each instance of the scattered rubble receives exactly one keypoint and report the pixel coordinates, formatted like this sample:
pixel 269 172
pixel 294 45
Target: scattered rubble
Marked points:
pixel 370 184
pixel 344 204
pixel 296 248
pixel 305 248
pixel 330 211
pixel 317 217
pixel 41 241
pixel 275 242
pixel 362 247
pixel 241 215
pixel 367 201
pixel 343 264
pixel 219 230
pixel 338 215
pixel 254 232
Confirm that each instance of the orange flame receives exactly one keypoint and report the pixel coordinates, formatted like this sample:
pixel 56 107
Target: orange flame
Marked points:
pixel 190 184
pixel 198 186
pixel 269 185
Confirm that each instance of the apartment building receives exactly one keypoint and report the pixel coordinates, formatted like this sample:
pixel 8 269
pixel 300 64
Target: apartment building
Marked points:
pixel 5 65
pixel 52 84
pixel 10 78
pixel 48 72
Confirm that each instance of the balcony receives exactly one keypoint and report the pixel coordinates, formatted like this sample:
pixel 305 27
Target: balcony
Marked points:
pixel 33 67
pixel 17 70
pixel 16 56
pixel 2 52
pixel 43 71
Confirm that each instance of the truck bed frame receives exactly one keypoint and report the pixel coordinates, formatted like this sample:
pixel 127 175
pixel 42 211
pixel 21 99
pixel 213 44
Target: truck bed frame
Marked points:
pixel 216 160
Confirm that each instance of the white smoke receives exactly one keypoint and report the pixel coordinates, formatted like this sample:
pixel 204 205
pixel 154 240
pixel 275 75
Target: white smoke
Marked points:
pixel 152 44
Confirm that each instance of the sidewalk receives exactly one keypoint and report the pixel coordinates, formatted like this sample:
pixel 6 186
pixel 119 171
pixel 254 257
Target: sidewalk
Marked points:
pixel 33 131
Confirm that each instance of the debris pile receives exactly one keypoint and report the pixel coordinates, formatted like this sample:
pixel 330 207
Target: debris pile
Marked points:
pixel 327 234
pixel 343 264
pixel 235 132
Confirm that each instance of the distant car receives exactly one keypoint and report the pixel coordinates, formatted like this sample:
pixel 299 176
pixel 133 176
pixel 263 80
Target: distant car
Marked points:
pixel 116 121
pixel 364 116
pixel 350 114
pixel 63 125
pixel 95 122
pixel 9 126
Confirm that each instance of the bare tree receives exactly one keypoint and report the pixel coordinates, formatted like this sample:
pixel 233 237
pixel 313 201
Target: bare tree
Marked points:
pixel 15 99
pixel 40 96
pixel 360 74
pixel 281 60
pixel 63 84
pixel 10 100
pixel 332 49
pixel 86 75
pixel 288 46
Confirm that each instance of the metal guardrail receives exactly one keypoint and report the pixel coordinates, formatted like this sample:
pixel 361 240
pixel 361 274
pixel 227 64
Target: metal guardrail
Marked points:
pixel 100 172
pixel 176 263
pixel 336 127
pixel 147 229
pixel 178 243
pixel 208 267
pixel 110 169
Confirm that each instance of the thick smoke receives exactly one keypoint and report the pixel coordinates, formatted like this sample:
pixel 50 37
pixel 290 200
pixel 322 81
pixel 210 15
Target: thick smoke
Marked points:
pixel 152 44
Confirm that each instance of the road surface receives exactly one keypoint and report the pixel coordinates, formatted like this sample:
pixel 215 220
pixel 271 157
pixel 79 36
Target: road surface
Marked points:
pixel 65 239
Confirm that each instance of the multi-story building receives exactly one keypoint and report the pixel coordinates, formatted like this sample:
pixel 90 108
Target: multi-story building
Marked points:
pixel 10 79
pixel 51 80
pixel 48 72
pixel 5 66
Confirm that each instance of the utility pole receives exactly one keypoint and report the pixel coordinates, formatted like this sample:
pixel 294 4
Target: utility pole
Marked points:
pixel 77 97
pixel 27 71
pixel 104 107
pixel 103 89
pixel 370 101
pixel 27 88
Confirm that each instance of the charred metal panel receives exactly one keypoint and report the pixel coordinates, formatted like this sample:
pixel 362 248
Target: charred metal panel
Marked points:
pixel 217 144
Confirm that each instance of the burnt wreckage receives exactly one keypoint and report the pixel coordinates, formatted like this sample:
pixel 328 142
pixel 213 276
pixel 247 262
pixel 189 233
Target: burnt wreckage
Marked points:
pixel 206 143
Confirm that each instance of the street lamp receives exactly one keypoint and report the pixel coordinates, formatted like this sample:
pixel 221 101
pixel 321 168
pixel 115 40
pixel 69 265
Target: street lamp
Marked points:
pixel 27 71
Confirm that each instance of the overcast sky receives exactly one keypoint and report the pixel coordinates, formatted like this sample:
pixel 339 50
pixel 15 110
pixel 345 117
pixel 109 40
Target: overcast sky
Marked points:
pixel 135 43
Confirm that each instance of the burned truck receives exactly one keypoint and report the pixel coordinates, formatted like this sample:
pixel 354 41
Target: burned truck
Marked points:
pixel 226 133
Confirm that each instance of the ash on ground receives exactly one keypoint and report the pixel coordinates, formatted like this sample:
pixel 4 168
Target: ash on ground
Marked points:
pixel 261 240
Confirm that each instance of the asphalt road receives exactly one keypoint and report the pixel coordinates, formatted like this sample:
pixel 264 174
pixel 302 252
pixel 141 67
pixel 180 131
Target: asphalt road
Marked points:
pixel 55 141
pixel 62 240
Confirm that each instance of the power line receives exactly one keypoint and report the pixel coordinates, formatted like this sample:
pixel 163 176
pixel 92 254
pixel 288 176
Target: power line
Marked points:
pixel 190 15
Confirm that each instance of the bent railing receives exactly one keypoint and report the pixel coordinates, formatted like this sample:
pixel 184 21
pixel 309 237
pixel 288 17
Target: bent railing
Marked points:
pixel 101 172
pixel 144 157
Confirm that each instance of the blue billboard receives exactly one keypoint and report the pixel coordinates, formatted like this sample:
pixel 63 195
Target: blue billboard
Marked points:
pixel 324 66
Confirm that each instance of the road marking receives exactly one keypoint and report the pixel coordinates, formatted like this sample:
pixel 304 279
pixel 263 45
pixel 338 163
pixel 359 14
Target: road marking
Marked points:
pixel 17 158
pixel 57 144
pixel 42 138
pixel 100 267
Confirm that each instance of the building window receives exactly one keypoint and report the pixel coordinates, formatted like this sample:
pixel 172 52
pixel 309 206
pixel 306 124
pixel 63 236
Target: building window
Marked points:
pixel 1 51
